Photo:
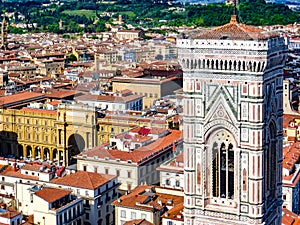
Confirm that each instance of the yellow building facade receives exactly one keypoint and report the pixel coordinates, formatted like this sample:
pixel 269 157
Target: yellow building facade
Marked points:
pixel 53 135
pixel 151 89
pixel 57 135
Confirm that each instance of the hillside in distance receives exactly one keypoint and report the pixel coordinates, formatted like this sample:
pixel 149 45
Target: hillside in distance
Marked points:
pixel 91 16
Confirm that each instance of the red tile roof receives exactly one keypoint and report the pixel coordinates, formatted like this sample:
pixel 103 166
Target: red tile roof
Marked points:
pixel 291 155
pixel 19 97
pixel 9 214
pixel 52 194
pixel 290 218
pixel 138 222
pixel 83 179
pixel 44 111
pixel 147 198
pixel 59 94
pixel 235 31
pixel 9 171
pixel 287 118
pixel 35 167
pixel 139 154
pixel 176 213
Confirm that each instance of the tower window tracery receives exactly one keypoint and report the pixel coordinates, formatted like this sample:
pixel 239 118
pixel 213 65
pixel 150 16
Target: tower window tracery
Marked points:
pixel 223 165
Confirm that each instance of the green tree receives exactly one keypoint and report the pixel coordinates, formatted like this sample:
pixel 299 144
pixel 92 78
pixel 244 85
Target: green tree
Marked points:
pixel 71 58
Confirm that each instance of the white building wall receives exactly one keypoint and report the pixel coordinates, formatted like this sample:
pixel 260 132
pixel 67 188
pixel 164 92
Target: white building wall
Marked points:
pixel 171 179
pixel 125 214
pixel 171 222
pixel 108 167
pixel 287 193
pixel 130 174
pixel 93 200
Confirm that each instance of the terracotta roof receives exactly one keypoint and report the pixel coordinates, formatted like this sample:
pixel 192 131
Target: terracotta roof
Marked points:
pixel 35 167
pixel 9 171
pixel 147 198
pixel 133 138
pixel 146 131
pixel 61 93
pixel 234 31
pixel 291 155
pixel 132 119
pixel 54 102
pixel 9 214
pixel 176 213
pixel 287 118
pixel 291 180
pixel 83 179
pixel 139 154
pixel 138 222
pixel 44 111
pixel 52 194
pixel 290 218
pixel 20 96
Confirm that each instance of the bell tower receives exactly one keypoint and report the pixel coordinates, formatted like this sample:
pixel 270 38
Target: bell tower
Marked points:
pixel 4 33
pixel 232 125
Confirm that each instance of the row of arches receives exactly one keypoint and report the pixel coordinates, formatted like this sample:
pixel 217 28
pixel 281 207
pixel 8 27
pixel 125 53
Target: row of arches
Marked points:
pixel 74 146
pixel 220 64
pixel 41 153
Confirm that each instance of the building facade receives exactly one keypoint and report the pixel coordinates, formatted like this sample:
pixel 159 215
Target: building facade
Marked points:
pixel 171 173
pixel 132 156
pixel 96 191
pixel 233 125
pixel 291 177
pixel 50 205
pixel 149 203
pixel 124 100
pixel 53 135
pixel 151 89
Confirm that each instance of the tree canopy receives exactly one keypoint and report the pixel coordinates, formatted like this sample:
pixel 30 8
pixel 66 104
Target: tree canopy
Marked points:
pixel 89 16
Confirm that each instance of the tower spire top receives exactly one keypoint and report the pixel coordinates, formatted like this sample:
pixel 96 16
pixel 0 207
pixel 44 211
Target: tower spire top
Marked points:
pixel 234 18
pixel 234 7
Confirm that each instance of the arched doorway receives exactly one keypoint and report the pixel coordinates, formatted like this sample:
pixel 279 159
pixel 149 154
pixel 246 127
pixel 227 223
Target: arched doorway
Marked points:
pixel 76 144
pixel 46 155
pixel 55 155
pixel 28 152
pixel 20 151
pixel 37 153
pixel 61 157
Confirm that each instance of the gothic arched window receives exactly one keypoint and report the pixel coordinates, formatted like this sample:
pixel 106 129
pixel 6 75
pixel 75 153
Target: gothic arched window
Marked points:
pixel 271 163
pixel 223 165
